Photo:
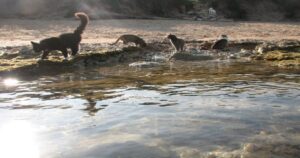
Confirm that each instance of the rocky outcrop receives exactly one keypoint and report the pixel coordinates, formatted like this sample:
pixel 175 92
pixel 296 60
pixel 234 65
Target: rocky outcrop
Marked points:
pixel 283 53
pixel 23 61
pixel 16 64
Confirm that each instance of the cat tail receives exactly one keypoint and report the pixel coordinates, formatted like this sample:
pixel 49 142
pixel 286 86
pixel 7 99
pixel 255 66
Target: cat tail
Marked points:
pixel 116 41
pixel 84 21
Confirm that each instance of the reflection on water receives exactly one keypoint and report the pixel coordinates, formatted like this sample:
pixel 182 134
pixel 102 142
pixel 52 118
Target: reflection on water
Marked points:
pixel 10 82
pixel 207 109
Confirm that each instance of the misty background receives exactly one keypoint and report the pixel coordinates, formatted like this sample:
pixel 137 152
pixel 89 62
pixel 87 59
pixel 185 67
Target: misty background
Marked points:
pixel 270 10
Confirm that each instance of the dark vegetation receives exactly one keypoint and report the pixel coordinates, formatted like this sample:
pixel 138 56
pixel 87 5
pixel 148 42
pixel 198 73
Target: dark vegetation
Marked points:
pixel 274 10
pixel 258 9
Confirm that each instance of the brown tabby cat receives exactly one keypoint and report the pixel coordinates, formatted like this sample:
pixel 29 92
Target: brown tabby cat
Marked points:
pixel 64 41
pixel 131 38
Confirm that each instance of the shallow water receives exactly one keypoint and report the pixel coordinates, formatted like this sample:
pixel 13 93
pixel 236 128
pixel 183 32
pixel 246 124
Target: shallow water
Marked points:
pixel 207 109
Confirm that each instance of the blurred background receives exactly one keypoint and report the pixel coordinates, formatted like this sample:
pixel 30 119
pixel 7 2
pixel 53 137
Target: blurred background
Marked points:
pixel 262 10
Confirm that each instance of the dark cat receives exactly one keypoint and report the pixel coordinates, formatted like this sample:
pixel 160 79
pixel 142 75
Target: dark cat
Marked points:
pixel 221 43
pixel 64 41
pixel 131 38
pixel 177 43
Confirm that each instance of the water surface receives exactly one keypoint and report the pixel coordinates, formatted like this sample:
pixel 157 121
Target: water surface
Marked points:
pixel 180 110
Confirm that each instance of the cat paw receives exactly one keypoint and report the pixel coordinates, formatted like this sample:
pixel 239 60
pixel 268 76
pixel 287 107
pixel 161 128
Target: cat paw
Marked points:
pixel 72 57
pixel 66 60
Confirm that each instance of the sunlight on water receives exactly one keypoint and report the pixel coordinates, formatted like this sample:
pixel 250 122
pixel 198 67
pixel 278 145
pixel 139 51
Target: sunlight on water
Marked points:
pixel 10 82
pixel 191 110
pixel 18 140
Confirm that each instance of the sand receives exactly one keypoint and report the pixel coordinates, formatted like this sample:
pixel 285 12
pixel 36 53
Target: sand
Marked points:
pixel 20 32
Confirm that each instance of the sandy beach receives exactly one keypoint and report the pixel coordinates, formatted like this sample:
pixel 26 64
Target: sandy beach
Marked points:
pixel 20 32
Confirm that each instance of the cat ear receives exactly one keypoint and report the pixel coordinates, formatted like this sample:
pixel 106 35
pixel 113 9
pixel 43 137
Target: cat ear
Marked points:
pixel 34 43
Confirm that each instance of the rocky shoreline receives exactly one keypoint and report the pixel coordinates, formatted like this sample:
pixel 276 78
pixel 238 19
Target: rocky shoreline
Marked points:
pixel 19 61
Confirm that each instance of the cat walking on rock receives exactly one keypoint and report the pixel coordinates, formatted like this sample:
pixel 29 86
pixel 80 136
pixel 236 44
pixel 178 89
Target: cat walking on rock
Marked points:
pixel 131 38
pixel 64 41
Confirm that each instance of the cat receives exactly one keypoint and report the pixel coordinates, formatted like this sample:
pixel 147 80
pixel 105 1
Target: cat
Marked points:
pixel 221 43
pixel 177 43
pixel 131 38
pixel 64 41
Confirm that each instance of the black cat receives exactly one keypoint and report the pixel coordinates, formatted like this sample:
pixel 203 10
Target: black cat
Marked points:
pixel 64 41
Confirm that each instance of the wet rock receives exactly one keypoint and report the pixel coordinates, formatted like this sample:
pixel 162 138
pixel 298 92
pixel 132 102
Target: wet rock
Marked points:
pixel 257 57
pixel 285 54
pixel 264 133
pixel 281 55
pixel 247 155
pixel 193 51
pixel 144 64
pixel 246 45
pixel 286 149
pixel 245 53
pixel 159 58
pixel 25 66
pixel 212 156
pixel 289 63
pixel 282 59
pixel 24 61
pixel 206 45
pixel 250 147
pixel 282 45
pixel 26 51
pixel 2 52
pixel 233 56
pixel 8 55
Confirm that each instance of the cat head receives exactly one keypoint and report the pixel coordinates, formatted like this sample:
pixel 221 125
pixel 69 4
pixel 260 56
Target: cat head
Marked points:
pixel 224 37
pixel 143 44
pixel 170 36
pixel 36 47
